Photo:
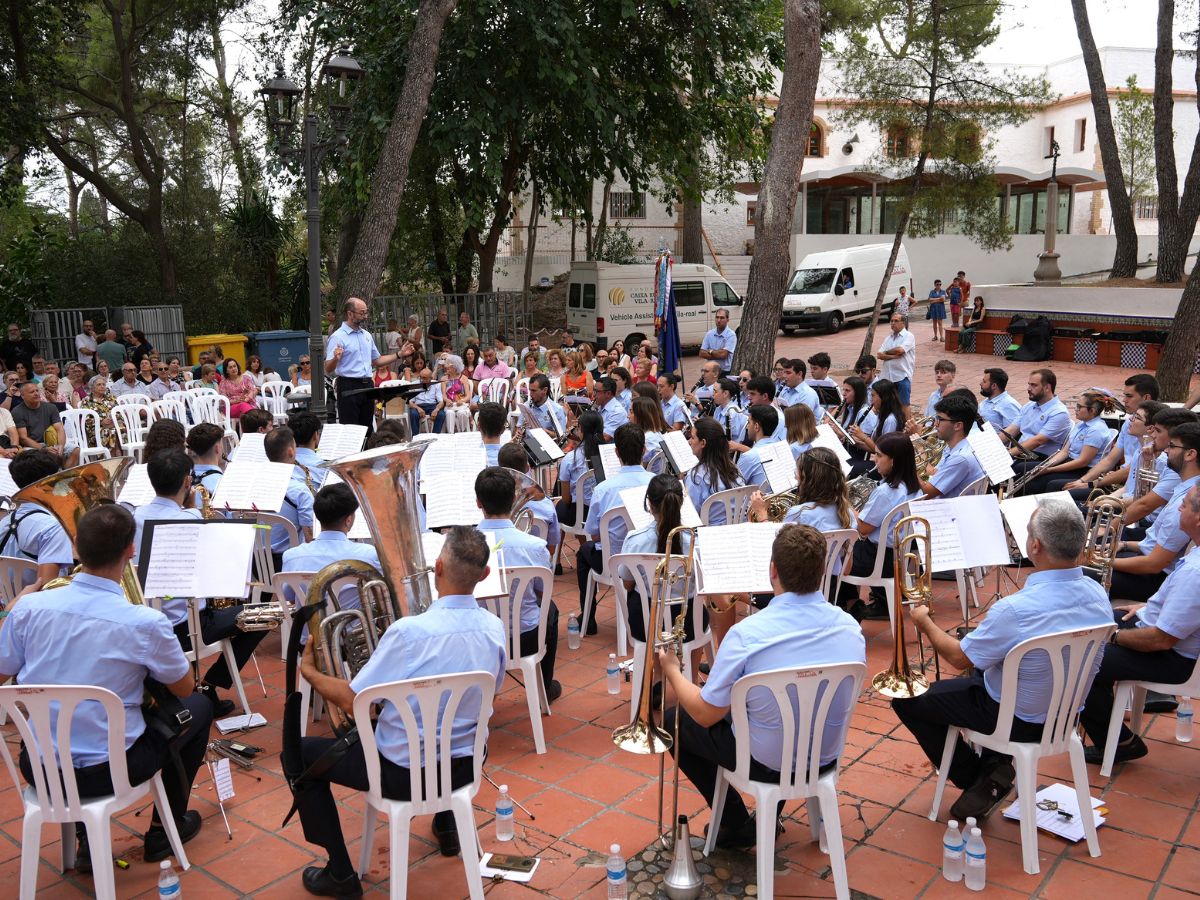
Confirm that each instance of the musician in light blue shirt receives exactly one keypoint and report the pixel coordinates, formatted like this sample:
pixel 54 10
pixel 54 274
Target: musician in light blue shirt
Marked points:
pixel 630 446
pixel 794 389
pixel 1044 423
pixel 513 456
pixel 798 629
pixel 30 531
pixel 454 635
pixel 761 429
pixel 943 376
pixel 715 470
pixel 611 409
pixel 307 428
pixel 673 409
pixel 958 467
pixel 727 414
pixel 998 406
pixel 720 343
pixel 297 507
pixel 621 378
pixel 546 413
pixel 1056 597
pixel 495 492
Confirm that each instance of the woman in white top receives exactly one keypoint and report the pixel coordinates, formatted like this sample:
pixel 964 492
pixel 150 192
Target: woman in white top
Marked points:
pixel 801 428
pixel 456 388
pixel 254 369
pixel 821 489
pixel 646 413
pixel 897 465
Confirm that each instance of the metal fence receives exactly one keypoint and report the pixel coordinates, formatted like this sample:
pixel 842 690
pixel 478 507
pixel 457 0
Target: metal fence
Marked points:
pixel 498 312
pixel 54 330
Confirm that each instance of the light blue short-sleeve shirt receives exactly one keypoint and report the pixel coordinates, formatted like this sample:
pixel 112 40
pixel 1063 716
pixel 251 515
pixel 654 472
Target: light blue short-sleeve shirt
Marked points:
pixel 297 508
pixel 358 354
pixel 674 412
pixel 958 469
pixel 699 488
pixel 329 547
pixel 1175 607
pixel 516 548
pixel 750 463
pixel 1092 433
pixel 1166 531
pixel 37 536
pixel 571 469
pixel 1049 419
pixel 733 421
pixel 801 393
pixel 615 415
pixel 1001 410
pixel 721 340
pixel 608 496
pixel 882 501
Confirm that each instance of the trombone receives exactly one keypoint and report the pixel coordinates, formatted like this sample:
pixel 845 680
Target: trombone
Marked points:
pixel 913 566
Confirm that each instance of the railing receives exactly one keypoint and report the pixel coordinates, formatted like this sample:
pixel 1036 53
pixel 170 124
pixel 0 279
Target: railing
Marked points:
pixel 54 330
pixel 555 238
pixel 497 312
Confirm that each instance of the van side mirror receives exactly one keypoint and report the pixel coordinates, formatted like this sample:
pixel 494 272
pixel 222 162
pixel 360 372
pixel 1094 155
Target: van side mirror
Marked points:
pixel 839 290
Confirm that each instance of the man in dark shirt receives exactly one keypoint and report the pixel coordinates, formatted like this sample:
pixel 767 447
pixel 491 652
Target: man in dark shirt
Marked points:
pixel 439 331
pixel 17 349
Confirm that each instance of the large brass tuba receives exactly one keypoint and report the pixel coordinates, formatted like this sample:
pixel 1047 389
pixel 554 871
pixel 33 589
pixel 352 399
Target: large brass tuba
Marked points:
pixel 384 480
pixel 913 571
pixel 72 492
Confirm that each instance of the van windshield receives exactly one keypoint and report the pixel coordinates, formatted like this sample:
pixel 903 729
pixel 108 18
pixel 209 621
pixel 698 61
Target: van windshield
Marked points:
pixel 811 281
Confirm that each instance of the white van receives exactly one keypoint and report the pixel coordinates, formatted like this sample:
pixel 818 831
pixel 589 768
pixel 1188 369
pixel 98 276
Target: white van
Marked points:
pixel 833 287
pixel 608 302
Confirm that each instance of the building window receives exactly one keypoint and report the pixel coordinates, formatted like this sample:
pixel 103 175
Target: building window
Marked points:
pixel 816 141
pixel 1145 207
pixel 1080 135
pixel 627 204
pixel 897 141
pixel 1049 145
pixel 751 211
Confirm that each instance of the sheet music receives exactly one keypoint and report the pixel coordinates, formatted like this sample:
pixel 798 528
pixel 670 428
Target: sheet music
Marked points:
pixel 1017 512
pixel 828 421
pixel 827 438
pixel 453 457
pixel 735 559
pixel 222 779
pixel 779 466
pixel 989 451
pixel 8 487
pixel 545 443
pixel 253 485
pixel 676 446
pixel 359 530
pixel 634 501
pixel 340 440
pixel 965 532
pixel 251 449
pixel 137 489
pixel 609 461
pixel 450 500
pixel 182 557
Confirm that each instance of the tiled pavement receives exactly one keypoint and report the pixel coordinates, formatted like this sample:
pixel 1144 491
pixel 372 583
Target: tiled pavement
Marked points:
pixel 587 794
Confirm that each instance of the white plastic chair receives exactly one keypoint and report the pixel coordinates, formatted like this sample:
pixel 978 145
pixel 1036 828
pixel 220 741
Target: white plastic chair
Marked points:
pixel 1071 654
pixel 55 799
pixel 1132 695
pixel 736 502
pixel 135 399
pixel 606 574
pixel 878 578
pixel 289 589
pixel 493 390
pixel 264 561
pixel 214 409
pixel 13 574
pixel 813 689
pixel 520 393
pixel 83 429
pixel 579 491
pixel 273 398
pixel 508 611
pixel 172 406
pixel 131 421
pixel 839 545
pixel 437 698
pixel 641 568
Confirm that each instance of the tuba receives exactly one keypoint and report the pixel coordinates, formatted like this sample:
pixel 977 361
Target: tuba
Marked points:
pixel 1103 529
pixel 528 491
pixel 913 561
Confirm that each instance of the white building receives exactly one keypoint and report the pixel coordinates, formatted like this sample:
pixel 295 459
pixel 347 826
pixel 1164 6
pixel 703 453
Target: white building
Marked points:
pixel 844 202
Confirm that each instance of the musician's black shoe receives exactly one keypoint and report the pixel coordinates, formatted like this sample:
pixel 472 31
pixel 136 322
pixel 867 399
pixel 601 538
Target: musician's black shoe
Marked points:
pixel 1135 748
pixel 317 880
pixel 221 707
pixel 446 833
pixel 1159 703
pixel 83 853
pixel 983 796
pixel 558 569
pixel 553 691
pixel 592 628
pixel 155 845
pixel 872 612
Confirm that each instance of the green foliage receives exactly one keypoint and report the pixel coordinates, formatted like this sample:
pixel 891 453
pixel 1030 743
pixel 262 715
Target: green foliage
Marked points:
pixel 1133 120
pixel 618 246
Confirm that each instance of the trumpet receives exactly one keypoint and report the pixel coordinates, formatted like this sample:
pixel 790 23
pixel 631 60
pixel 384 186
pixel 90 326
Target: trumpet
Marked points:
pixel 673 578
pixel 1147 472
pixel 913 560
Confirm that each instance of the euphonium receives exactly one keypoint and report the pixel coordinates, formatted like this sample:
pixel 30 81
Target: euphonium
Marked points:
pixel 71 493
pixel 859 489
pixel 528 490
pixel 913 561
pixel 927 447
pixel 1103 528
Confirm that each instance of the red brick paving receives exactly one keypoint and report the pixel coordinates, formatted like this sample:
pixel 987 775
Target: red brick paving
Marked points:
pixel 587 794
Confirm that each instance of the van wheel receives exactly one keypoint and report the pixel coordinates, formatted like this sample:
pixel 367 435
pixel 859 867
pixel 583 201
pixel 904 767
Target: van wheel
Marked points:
pixel 833 322
pixel 788 330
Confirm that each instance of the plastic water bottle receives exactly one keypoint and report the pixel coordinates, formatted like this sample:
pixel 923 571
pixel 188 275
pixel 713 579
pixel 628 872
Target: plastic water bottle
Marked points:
pixel 1183 721
pixel 617 887
pixel 573 638
pixel 952 853
pixel 168 881
pixel 504 815
pixel 614 675
pixel 976 862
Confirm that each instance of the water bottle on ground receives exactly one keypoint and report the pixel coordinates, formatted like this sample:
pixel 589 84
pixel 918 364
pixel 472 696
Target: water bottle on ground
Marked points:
pixel 573 637
pixel 614 675
pixel 168 881
pixel 617 887
pixel 1183 721
pixel 952 853
pixel 975 874
pixel 504 815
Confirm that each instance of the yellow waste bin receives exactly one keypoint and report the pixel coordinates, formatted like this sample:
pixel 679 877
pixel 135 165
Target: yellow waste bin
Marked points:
pixel 232 345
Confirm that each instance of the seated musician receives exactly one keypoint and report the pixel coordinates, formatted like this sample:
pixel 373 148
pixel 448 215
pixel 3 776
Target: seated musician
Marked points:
pixel 576 464
pixel 614 413
pixel 513 456
pixel 170 473
pixel 1057 597
pixel 280 446
pixel 454 635
pixel 89 633
pixel 31 531
pixel 1087 442
pixel 673 409
pixel 546 413
pixel 821 498
pixel 1044 423
pixel 944 371
pixel 630 447
pixel 798 628
pixel 886 416
pixel 1130 454
pixel 495 491
pixel 647 414
pixel 492 420
pixel 715 470
pixel 1113 466
pixel 801 427
pixel 1142 511
pixel 700 398
pixel 761 430
pixel 954 417
pixel 896 462
pixel 306 428
pixel 1156 641
pixel 794 389
pixel 204 442
pixel 1141 566
pixel 727 413
pixel 999 406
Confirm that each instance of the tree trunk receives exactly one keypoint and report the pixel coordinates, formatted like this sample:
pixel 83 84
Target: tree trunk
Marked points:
pixel 574 227
pixel 596 240
pixel 901 228
pixel 1176 217
pixel 437 232
pixel 1125 260
pixel 1179 352
pixel 487 248
pixel 771 264
pixel 365 269
pixel 73 189
pixel 227 109
pixel 348 230
pixel 692 250
pixel 587 223
pixel 535 211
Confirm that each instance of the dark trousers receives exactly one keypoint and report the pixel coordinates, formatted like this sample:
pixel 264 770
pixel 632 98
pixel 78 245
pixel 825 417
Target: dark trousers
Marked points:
pixel 566 512
pixel 863 563
pixel 355 409
pixel 1054 482
pixel 150 754
pixel 215 625
pixel 1123 664
pixel 964 702
pixel 529 644
pixel 318 810
pixel 414 420
pixel 1138 588
pixel 637 627
pixel 587 559
pixel 1021 466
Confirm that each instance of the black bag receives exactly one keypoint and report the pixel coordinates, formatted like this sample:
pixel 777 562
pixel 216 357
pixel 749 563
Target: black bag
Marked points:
pixel 1036 344
pixel 1018 325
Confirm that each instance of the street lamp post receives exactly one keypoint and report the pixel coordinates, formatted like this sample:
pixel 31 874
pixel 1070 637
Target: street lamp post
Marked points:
pixel 280 96
pixel 1047 270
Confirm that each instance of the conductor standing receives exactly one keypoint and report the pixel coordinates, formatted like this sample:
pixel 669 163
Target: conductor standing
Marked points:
pixel 351 355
